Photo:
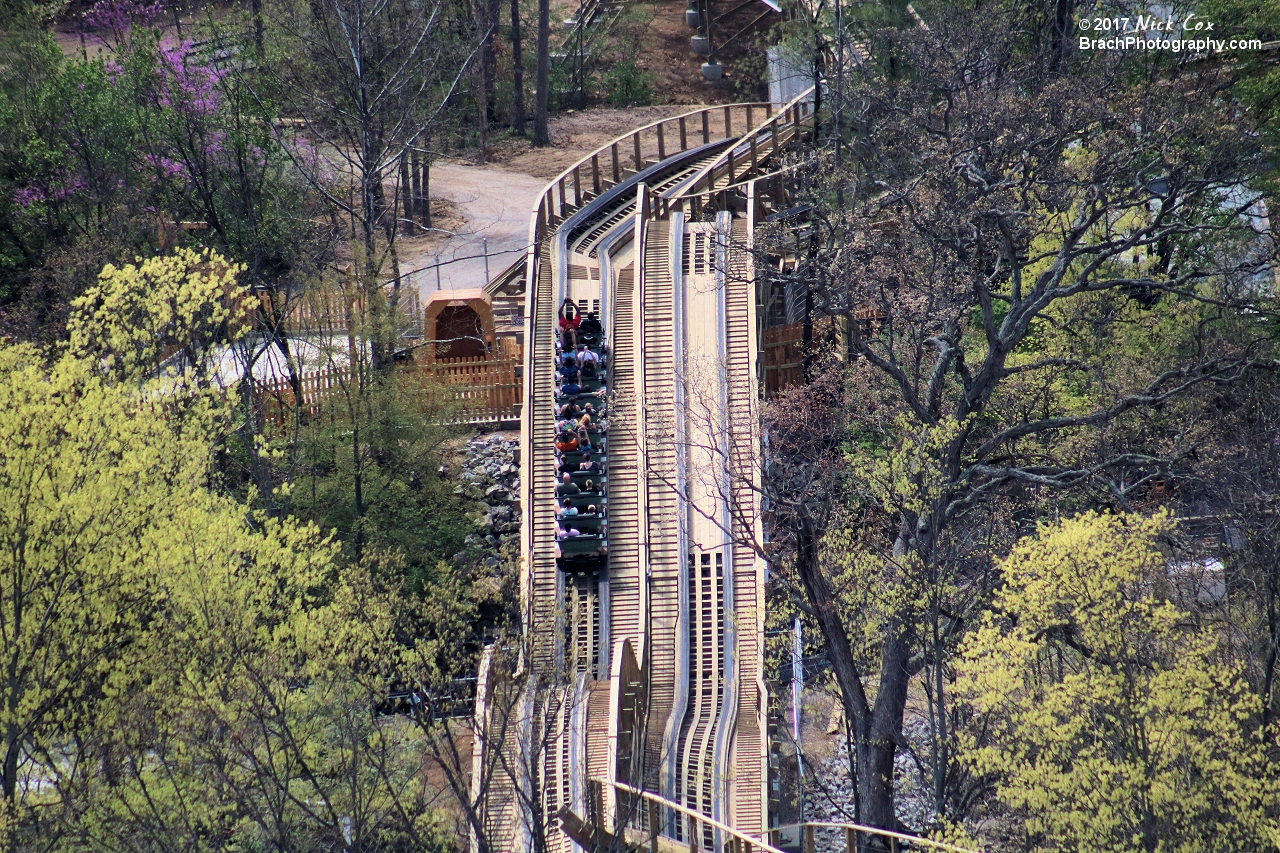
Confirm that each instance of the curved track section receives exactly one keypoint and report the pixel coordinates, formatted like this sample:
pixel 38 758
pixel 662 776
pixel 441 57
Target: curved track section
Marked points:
pixel 643 589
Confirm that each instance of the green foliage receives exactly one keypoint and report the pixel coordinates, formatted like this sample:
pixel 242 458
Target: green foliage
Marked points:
pixel 186 673
pixel 368 468
pixel 104 150
pixel 751 73
pixel 92 485
pixel 1115 722
pixel 26 15
pixel 263 733
pixel 136 316
pixel 628 85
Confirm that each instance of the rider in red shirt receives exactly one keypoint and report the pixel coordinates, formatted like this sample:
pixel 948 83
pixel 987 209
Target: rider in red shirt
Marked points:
pixel 570 320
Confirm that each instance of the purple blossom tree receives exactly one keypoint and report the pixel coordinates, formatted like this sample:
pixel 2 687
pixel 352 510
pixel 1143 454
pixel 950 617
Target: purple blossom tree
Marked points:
pixel 113 21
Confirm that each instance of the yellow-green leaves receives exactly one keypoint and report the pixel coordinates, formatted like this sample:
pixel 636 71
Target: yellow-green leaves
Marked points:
pixel 176 671
pixel 93 481
pixel 139 315
pixel 1115 725
pixel 910 478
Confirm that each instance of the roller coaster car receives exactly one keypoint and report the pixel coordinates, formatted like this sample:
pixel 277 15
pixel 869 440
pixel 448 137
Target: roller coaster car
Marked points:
pixel 580 478
pixel 585 543
pixel 589 525
pixel 582 501
pixel 593 433
pixel 577 564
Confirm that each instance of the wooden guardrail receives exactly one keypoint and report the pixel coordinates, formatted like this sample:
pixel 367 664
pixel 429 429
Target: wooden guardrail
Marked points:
pixel 784 349
pixel 856 837
pixel 783 357
pixel 735 840
pixel 630 153
pixel 765 139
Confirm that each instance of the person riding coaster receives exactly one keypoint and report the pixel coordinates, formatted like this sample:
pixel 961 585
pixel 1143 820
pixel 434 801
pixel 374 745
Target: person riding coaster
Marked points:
pixel 581 353
pixel 569 321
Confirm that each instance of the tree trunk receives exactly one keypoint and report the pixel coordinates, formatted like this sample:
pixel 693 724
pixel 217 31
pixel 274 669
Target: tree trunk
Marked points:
pixel 250 429
pixel 374 201
pixel 393 307
pixel 426 190
pixel 12 751
pixel 1273 636
pixel 876 729
pixel 494 14
pixel 806 333
pixel 357 388
pixel 295 379
pixel 390 330
pixel 415 190
pixel 259 41
pixel 938 711
pixel 404 194
pixel 486 23
pixel 482 119
pixel 517 70
pixel 880 743
pixel 542 102
pixel 1064 11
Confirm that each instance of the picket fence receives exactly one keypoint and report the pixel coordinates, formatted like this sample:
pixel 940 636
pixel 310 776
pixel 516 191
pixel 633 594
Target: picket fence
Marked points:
pixel 469 390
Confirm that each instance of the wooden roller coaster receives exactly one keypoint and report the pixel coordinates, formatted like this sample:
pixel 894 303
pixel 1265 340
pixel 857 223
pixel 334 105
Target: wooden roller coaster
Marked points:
pixel 641 713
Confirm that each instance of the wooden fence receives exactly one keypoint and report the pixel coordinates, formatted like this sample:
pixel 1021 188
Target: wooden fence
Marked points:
pixel 486 390
pixel 471 390
pixel 784 350
pixel 783 357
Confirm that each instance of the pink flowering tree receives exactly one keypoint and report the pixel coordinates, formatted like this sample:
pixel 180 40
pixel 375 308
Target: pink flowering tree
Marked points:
pixel 119 150
pixel 113 22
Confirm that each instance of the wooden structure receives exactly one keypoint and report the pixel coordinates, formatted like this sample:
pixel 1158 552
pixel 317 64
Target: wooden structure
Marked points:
pixel 647 673
pixel 466 390
pixel 458 324
pixel 783 356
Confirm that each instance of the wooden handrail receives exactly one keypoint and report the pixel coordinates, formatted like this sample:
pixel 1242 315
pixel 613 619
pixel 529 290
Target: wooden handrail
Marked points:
pixel 756 843
pixel 874 830
pixel 766 847
pixel 766 176
pixel 546 202
pixel 691 187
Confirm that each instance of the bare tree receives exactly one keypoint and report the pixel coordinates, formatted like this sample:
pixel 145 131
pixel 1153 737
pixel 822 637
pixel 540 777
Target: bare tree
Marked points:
pixel 1002 225
pixel 368 78
pixel 494 760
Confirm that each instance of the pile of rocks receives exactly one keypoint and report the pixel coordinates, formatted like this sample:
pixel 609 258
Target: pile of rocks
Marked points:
pixel 912 800
pixel 491 474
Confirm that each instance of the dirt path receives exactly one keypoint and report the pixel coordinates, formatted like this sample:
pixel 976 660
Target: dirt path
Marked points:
pixel 493 206
pixel 493 202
